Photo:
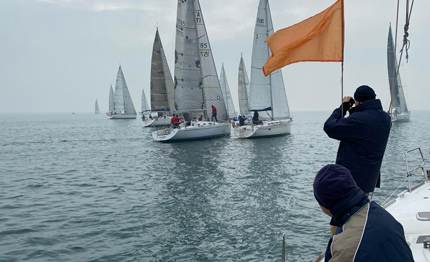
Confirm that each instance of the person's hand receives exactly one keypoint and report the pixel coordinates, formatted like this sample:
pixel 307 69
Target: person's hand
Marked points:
pixel 347 99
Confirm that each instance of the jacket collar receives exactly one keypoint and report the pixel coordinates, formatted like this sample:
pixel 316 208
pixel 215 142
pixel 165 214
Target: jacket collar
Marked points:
pixel 369 104
pixel 345 209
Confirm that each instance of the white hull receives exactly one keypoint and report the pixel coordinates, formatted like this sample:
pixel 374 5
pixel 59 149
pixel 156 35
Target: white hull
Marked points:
pixel 405 209
pixel 122 116
pixel 267 129
pixel 403 117
pixel 196 131
pixel 157 122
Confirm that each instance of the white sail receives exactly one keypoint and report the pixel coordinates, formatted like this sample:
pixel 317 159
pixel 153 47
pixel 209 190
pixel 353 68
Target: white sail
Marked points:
pixel 226 94
pixel 111 99
pixel 122 99
pixel 144 103
pixel 162 89
pixel 97 110
pixel 396 89
pixel 210 81
pixel 188 77
pixel 266 91
pixel 243 88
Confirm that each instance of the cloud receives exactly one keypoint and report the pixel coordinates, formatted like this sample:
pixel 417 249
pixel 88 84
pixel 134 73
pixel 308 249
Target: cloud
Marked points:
pixel 103 5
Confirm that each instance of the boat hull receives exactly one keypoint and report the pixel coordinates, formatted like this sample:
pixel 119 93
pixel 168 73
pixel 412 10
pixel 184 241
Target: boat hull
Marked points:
pixel 403 117
pixel 122 117
pixel 267 129
pixel 198 130
pixel 157 122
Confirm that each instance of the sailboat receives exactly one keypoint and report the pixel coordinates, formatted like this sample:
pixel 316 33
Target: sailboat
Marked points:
pixel 123 107
pixel 243 84
pixel 267 94
pixel 111 101
pixel 162 90
pixel 196 83
pixel 97 110
pixel 398 111
pixel 226 94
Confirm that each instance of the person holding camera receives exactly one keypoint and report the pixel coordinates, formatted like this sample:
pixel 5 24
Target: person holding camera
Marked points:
pixel 363 136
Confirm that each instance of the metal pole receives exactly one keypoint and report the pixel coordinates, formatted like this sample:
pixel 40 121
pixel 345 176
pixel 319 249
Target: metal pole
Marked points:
pixel 283 248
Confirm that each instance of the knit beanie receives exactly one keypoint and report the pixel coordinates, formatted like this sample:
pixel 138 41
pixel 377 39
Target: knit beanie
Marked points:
pixel 364 93
pixel 332 184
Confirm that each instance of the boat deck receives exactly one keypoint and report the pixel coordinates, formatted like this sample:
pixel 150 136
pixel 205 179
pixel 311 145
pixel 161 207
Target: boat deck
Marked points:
pixel 412 210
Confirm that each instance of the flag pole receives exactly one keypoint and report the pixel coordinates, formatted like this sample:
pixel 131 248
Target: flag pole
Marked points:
pixel 343 54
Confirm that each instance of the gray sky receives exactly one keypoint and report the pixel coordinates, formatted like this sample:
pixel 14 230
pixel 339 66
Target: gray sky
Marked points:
pixel 62 55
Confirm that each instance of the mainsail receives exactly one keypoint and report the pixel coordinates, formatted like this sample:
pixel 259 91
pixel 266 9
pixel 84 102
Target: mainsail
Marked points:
pixel 162 89
pixel 196 81
pixel 123 103
pixel 97 110
pixel 111 99
pixel 243 88
pixel 144 103
pixel 396 89
pixel 226 94
pixel 266 91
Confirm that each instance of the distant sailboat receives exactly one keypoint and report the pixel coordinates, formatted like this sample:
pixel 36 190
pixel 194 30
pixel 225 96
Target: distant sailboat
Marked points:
pixel 226 94
pixel 97 110
pixel 162 89
pixel 144 103
pixel 197 86
pixel 123 105
pixel 398 111
pixel 111 101
pixel 267 94
pixel 243 88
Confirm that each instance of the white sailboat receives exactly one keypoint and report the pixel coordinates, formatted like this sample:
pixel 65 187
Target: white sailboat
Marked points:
pixel 243 89
pixel 144 104
pixel 111 101
pixel 123 105
pixel 226 94
pixel 197 85
pixel 267 94
pixel 162 90
pixel 97 110
pixel 399 111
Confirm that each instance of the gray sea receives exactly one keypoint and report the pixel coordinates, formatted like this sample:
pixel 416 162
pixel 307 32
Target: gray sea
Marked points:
pixel 80 187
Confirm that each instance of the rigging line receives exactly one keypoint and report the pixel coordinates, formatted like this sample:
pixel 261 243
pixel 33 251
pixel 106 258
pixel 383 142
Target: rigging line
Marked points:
pixel 406 42
pixel 264 258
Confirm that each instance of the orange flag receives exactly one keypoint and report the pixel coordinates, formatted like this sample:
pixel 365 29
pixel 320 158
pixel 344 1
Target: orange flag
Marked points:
pixel 319 38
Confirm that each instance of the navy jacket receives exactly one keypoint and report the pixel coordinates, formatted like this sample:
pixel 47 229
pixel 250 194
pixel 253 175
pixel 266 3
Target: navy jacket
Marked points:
pixel 366 232
pixel 363 137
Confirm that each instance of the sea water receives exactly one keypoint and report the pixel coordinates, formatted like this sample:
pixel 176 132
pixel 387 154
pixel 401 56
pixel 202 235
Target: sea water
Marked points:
pixel 80 187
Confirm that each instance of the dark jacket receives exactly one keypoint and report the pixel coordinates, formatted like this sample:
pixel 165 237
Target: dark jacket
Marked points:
pixel 363 137
pixel 366 232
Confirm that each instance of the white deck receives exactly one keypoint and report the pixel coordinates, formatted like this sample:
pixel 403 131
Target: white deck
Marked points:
pixel 405 209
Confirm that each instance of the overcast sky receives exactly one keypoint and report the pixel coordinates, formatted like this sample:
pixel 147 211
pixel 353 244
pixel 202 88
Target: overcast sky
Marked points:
pixel 62 55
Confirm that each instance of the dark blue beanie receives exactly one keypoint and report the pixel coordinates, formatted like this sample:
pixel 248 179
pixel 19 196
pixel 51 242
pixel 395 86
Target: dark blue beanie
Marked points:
pixel 332 184
pixel 364 93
